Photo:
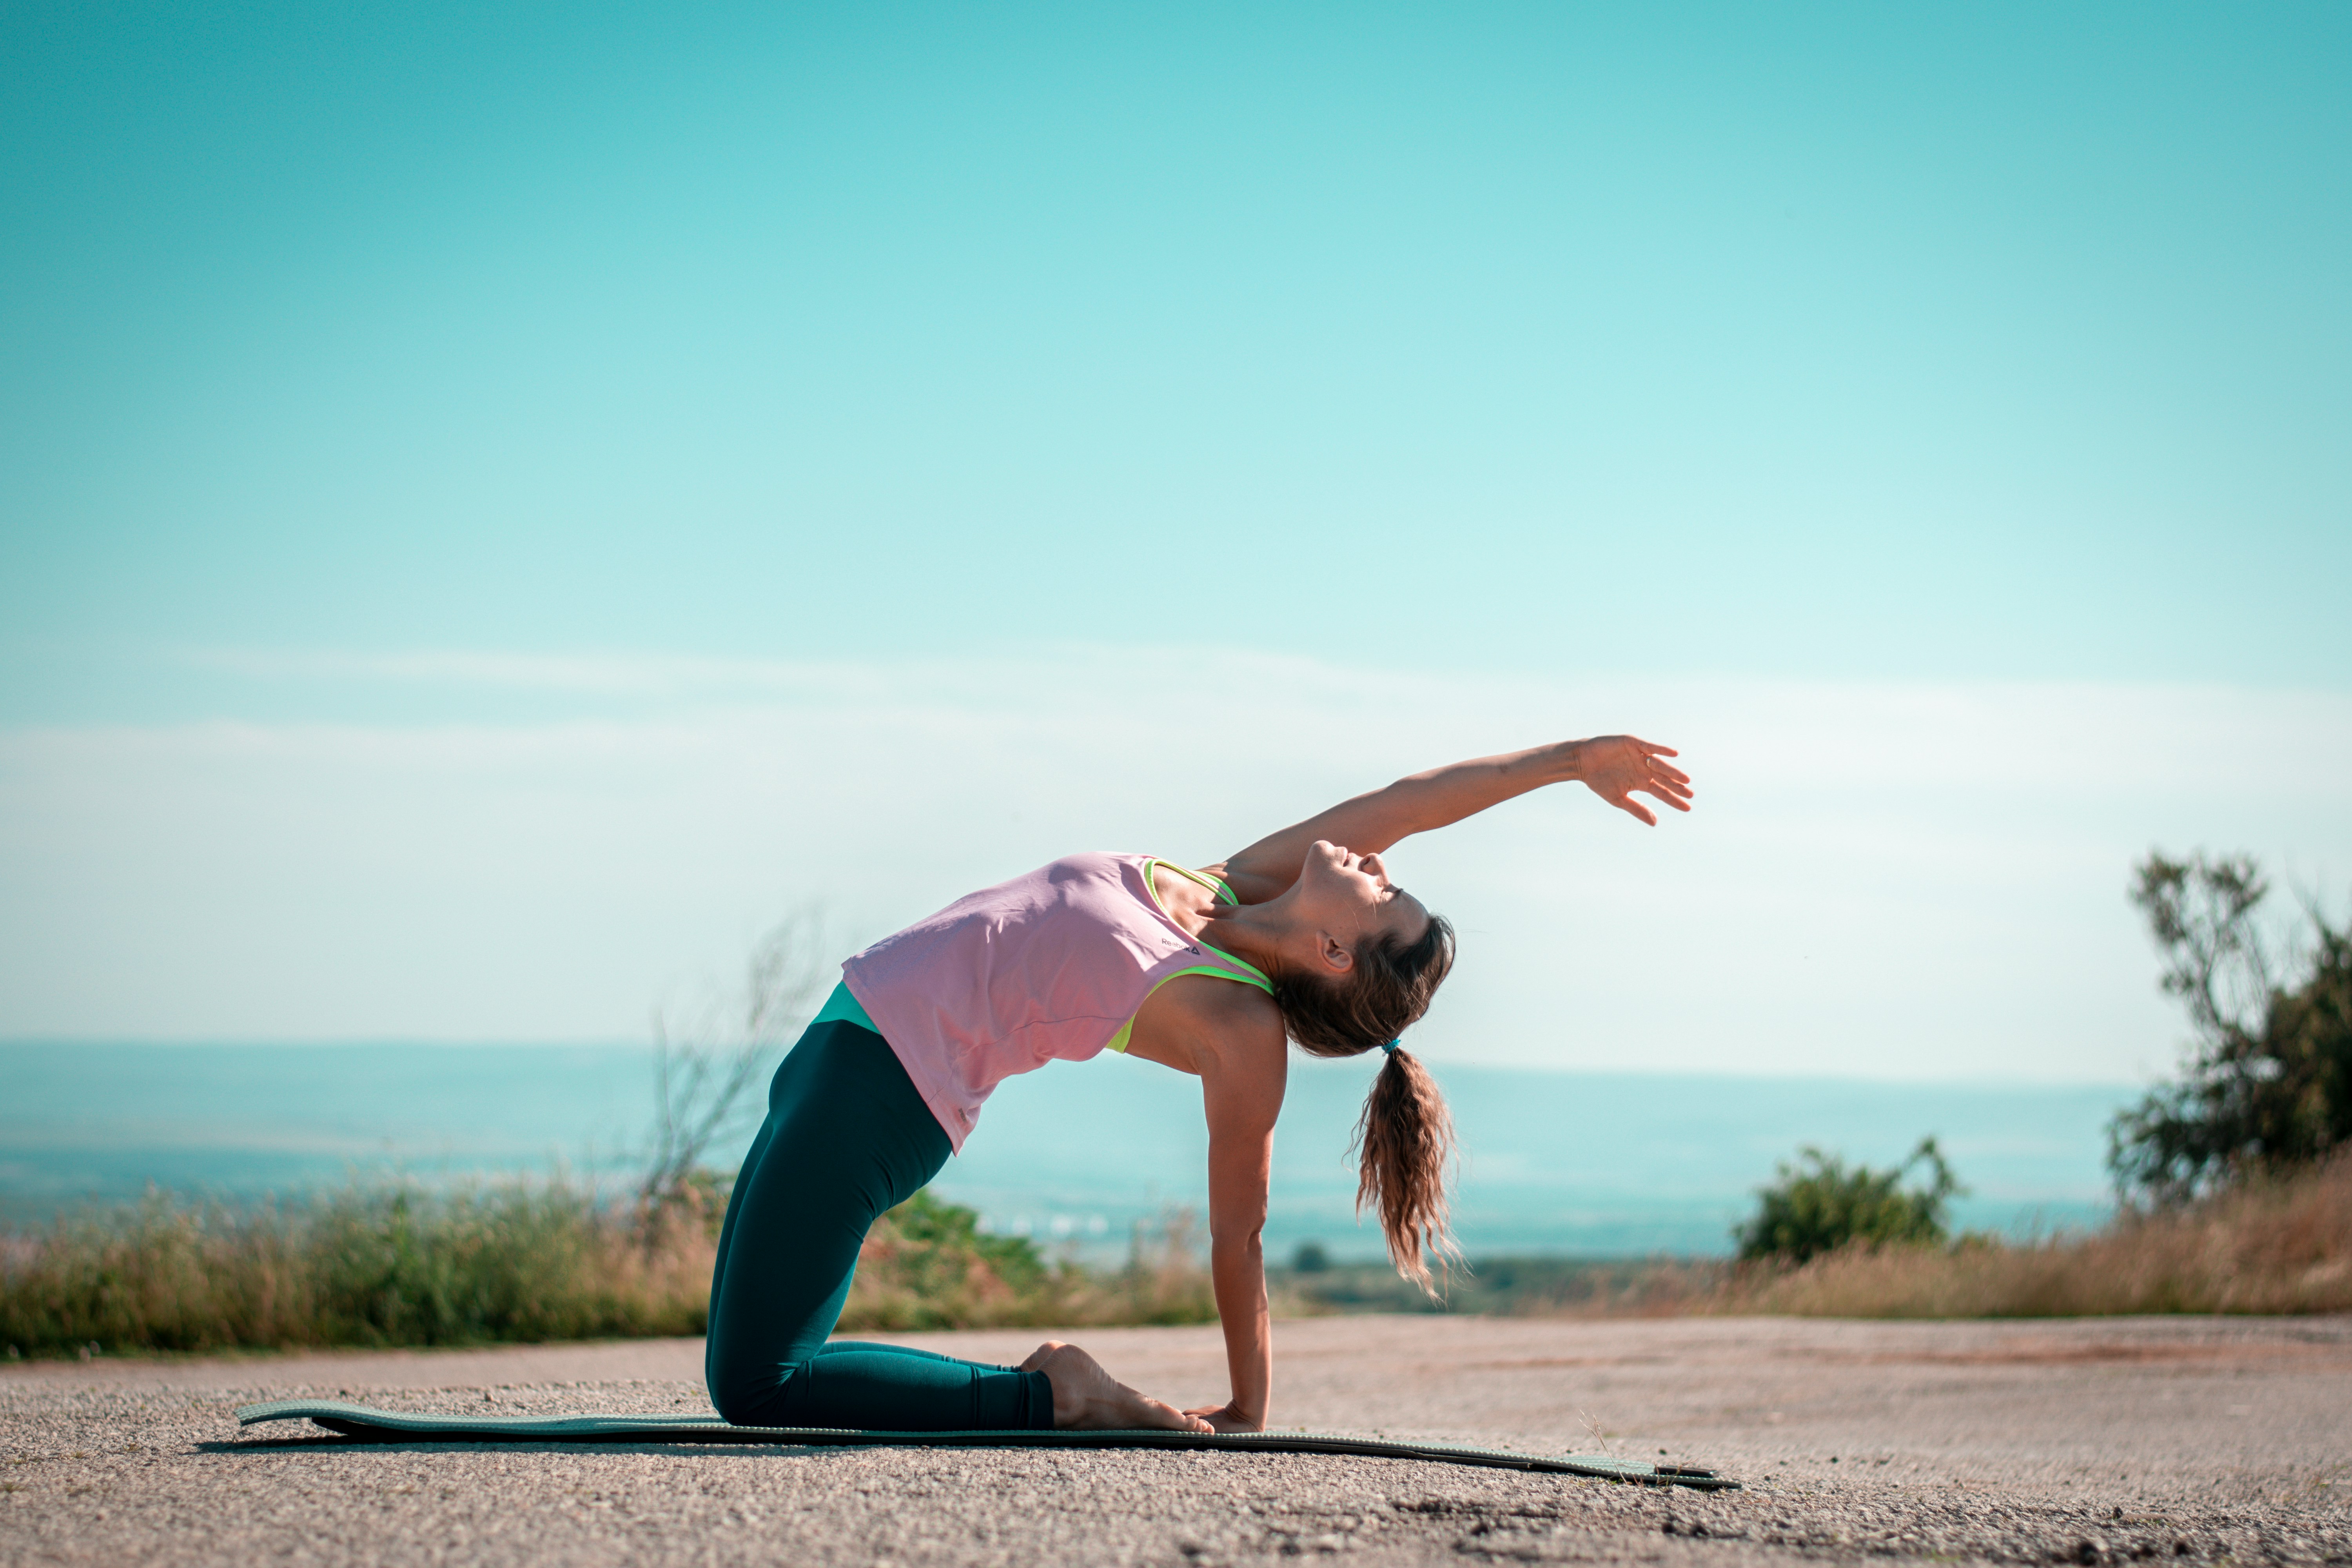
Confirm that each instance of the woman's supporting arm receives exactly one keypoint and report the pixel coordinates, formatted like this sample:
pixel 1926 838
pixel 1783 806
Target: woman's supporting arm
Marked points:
pixel 1237 1271
pixel 1612 766
pixel 1242 1086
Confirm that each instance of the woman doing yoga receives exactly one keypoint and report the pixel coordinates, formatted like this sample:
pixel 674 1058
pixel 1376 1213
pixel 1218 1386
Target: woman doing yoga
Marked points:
pixel 1301 936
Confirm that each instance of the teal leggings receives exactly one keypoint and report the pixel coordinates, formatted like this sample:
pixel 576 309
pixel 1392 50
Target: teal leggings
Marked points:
pixel 846 1138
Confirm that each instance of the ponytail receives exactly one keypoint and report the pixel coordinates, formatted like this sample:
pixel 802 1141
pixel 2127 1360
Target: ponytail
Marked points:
pixel 1405 1142
pixel 1406 1138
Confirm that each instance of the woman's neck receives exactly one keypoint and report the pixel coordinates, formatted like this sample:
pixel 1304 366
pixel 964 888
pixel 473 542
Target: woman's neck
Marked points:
pixel 1245 931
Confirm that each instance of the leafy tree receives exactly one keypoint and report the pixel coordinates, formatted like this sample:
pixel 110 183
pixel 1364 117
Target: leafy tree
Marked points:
pixel 1820 1204
pixel 2268 1085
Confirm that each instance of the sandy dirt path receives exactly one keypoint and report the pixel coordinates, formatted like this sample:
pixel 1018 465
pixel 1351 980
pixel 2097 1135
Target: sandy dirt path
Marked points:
pixel 2198 1439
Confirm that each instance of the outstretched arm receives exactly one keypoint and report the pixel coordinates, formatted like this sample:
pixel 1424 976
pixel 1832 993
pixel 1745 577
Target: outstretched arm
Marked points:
pixel 1613 767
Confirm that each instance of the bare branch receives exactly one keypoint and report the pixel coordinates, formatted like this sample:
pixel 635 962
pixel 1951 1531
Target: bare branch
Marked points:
pixel 707 1072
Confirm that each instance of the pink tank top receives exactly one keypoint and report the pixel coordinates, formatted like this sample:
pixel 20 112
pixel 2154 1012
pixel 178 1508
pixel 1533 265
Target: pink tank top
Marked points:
pixel 1050 965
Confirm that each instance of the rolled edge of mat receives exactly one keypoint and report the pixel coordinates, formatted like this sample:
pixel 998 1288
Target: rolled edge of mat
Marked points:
pixel 367 1424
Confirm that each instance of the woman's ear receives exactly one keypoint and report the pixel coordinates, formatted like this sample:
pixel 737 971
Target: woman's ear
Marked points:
pixel 1337 956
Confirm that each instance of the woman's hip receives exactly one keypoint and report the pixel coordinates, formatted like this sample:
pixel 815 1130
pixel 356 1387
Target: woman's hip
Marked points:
pixel 842 1102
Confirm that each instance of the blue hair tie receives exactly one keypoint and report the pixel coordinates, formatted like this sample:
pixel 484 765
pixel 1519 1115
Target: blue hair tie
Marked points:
pixel 1390 1048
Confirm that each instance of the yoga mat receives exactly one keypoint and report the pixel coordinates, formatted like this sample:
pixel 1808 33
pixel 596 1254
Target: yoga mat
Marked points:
pixel 370 1424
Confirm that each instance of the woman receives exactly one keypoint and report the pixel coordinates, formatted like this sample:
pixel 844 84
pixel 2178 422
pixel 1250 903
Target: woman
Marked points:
pixel 1301 936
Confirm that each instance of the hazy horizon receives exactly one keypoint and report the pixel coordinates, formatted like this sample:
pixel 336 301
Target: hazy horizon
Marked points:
pixel 1553 1161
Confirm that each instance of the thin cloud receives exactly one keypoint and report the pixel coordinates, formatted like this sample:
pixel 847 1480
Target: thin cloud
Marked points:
pixel 1898 880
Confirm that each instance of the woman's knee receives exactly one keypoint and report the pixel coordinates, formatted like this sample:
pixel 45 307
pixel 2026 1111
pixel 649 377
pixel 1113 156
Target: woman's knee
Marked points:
pixel 745 1396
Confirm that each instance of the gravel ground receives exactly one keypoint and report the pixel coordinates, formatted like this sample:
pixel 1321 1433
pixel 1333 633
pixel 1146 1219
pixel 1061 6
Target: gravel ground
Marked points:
pixel 2204 1439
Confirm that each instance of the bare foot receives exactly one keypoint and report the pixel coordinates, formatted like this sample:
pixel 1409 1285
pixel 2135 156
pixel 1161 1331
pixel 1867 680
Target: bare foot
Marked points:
pixel 1086 1397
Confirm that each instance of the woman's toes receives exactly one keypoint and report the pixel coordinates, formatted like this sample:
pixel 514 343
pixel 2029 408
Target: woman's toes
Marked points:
pixel 1086 1395
pixel 1169 1419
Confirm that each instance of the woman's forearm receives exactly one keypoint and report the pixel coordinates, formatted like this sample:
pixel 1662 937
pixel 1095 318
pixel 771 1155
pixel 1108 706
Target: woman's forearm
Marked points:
pixel 1372 822
pixel 1237 1271
pixel 1440 796
pixel 1612 766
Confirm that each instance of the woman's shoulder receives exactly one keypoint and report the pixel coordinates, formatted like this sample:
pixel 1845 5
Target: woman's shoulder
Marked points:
pixel 1187 1025
pixel 1214 1009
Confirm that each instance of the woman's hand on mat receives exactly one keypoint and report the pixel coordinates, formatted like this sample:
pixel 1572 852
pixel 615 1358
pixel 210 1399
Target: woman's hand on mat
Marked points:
pixel 1226 1418
pixel 1614 766
pixel 1088 1398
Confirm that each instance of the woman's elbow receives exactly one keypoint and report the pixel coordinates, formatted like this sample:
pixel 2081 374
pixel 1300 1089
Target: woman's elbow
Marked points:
pixel 1241 1238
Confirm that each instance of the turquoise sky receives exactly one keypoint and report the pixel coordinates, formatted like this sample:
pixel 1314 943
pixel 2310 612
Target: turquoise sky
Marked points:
pixel 498 504
pixel 1817 343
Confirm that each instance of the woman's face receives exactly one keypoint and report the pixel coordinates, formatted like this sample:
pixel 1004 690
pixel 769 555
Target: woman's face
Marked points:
pixel 1343 897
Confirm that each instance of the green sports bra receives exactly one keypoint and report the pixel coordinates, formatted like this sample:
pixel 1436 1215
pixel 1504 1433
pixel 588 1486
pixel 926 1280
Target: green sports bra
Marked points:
pixel 1248 974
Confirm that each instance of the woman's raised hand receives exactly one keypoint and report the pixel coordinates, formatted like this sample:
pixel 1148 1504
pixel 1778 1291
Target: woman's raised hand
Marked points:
pixel 1615 766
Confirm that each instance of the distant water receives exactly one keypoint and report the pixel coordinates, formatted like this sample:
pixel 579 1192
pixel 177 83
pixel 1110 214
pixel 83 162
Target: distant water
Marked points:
pixel 1560 1162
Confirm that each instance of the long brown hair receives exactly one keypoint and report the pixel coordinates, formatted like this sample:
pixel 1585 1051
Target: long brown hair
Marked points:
pixel 1404 1140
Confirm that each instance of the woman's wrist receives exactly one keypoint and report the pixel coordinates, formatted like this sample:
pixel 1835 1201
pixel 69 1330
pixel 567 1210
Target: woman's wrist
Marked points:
pixel 1564 761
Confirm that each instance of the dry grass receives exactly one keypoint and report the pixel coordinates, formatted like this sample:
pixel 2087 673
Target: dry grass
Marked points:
pixel 521 1261
pixel 2259 1247
pixel 2264 1245
pixel 395 1266
pixel 403 1266
pixel 906 1283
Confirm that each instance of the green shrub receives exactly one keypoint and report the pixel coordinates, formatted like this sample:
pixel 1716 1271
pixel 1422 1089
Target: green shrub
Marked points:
pixel 926 1265
pixel 1820 1204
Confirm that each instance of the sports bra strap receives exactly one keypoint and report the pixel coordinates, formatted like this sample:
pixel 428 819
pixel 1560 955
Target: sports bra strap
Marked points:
pixel 1247 972
pixel 1201 879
